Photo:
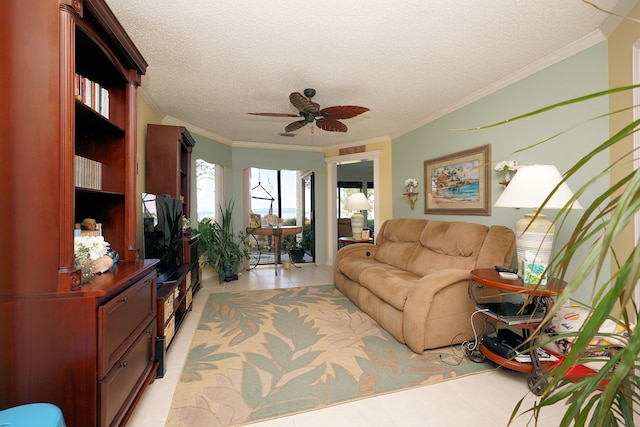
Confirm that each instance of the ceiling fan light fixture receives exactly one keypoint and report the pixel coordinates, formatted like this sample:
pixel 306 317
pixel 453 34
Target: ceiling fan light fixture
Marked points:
pixel 326 119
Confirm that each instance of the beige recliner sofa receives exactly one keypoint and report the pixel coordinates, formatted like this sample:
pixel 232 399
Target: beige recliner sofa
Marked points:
pixel 414 280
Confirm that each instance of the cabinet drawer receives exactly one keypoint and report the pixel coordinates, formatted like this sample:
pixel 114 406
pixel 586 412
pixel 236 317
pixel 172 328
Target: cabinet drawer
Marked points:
pixel 119 388
pixel 122 319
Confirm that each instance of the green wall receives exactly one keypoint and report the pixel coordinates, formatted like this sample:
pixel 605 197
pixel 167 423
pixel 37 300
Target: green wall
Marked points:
pixel 583 73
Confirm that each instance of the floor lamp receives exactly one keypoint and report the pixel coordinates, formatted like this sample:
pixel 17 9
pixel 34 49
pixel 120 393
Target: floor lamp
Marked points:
pixel 357 202
pixel 530 186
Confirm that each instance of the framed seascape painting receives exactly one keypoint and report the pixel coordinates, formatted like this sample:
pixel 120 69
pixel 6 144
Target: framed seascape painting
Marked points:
pixel 460 183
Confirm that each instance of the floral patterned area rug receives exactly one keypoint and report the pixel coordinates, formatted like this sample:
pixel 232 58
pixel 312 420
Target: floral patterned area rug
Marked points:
pixel 263 354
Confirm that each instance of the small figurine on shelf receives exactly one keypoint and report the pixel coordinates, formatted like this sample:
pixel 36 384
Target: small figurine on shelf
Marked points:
pixel 186 225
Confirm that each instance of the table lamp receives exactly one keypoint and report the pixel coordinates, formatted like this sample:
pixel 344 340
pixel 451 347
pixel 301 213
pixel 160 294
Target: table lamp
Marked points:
pixel 530 186
pixel 357 202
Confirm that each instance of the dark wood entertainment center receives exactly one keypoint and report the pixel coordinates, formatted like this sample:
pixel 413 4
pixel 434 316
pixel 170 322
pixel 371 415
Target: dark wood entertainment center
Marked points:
pixel 87 348
pixel 168 171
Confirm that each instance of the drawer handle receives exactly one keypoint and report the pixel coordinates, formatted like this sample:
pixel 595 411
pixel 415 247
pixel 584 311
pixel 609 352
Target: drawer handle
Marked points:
pixel 150 331
pixel 124 299
pixel 124 364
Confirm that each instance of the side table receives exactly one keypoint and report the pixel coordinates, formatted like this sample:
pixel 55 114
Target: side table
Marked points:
pixel 276 232
pixel 542 297
pixel 344 241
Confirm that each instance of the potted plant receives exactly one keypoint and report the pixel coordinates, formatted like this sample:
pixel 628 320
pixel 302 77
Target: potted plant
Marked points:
pixel 221 247
pixel 293 247
pixel 608 396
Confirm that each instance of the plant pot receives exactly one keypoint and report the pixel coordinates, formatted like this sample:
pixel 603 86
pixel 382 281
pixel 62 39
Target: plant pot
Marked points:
pixel 229 273
pixel 297 255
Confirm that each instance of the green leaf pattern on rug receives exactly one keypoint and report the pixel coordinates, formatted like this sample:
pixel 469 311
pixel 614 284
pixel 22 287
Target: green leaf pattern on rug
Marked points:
pixel 235 315
pixel 286 367
pixel 200 359
pixel 263 354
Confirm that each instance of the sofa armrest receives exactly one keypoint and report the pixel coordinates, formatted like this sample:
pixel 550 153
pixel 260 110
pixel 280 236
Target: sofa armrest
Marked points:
pixel 355 250
pixel 420 301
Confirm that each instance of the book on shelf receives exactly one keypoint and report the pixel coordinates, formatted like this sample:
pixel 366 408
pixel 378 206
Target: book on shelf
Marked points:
pixel 87 173
pixel 512 313
pixel 92 94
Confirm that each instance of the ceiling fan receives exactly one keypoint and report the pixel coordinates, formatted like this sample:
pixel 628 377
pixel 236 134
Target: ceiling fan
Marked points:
pixel 327 118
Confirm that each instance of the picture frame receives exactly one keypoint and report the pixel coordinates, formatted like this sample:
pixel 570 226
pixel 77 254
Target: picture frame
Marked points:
pixel 366 234
pixel 459 183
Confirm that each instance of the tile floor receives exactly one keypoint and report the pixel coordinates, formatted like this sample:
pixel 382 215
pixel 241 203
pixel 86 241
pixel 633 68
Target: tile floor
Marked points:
pixel 481 400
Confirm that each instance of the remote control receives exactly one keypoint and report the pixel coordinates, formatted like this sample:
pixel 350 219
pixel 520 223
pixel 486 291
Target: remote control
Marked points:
pixel 501 269
pixel 508 276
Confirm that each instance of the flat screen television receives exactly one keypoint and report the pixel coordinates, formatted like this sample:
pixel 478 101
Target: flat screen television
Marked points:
pixel 162 225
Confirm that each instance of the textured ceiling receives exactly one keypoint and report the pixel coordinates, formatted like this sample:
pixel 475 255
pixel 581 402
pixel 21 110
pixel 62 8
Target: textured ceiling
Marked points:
pixel 408 61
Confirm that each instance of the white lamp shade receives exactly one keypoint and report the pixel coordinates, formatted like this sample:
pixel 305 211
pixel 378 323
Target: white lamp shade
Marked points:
pixel 358 202
pixel 531 185
pixel 529 188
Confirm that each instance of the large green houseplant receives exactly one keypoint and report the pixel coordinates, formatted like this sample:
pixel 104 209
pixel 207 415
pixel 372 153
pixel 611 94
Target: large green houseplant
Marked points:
pixel 222 248
pixel 608 397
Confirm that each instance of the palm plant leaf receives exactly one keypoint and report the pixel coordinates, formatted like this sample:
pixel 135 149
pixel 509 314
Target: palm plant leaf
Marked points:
pixel 605 398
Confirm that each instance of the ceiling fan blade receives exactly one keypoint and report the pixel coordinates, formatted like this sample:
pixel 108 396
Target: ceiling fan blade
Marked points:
pixel 331 125
pixel 343 111
pixel 275 114
pixel 295 125
pixel 302 103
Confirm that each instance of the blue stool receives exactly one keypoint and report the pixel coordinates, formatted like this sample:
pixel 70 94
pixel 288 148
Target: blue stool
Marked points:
pixel 32 415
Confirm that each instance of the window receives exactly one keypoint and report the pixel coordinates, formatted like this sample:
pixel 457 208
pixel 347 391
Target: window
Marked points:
pixel 208 188
pixel 275 191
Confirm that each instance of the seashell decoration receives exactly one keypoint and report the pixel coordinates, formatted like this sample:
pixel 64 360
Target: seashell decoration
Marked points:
pixel 102 264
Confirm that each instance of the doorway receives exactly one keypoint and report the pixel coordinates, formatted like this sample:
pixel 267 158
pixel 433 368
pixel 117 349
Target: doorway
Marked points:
pixel 332 204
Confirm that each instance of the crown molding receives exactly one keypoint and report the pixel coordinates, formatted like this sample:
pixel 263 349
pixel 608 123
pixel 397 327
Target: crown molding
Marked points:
pixel 144 94
pixel 272 146
pixel 195 129
pixel 565 52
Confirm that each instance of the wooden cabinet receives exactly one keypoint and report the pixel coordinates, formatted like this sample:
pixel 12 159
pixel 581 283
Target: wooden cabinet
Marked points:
pixel 169 172
pixel 175 297
pixel 169 163
pixel 171 294
pixel 191 244
pixel 88 348
pixel 126 338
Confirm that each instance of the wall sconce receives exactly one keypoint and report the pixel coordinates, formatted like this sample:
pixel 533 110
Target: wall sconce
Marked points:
pixel 409 195
pixel 411 198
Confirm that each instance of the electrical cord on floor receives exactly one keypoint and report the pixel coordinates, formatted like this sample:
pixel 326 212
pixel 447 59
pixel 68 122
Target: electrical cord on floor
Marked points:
pixel 471 349
pixel 458 358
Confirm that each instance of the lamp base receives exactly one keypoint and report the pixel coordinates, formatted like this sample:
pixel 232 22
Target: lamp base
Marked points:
pixel 357 223
pixel 536 238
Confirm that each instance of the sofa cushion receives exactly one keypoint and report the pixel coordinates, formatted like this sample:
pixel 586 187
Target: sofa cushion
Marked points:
pixel 397 241
pixel 388 283
pixel 352 267
pixel 447 245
